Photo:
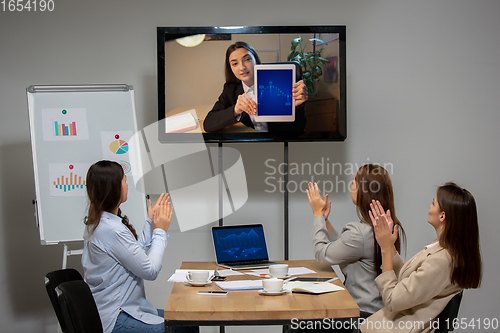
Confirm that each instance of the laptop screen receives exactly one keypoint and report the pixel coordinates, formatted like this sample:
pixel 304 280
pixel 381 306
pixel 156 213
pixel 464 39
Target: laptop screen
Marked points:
pixel 239 243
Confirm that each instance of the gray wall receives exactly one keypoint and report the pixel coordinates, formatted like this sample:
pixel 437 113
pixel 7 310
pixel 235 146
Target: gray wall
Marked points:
pixel 423 80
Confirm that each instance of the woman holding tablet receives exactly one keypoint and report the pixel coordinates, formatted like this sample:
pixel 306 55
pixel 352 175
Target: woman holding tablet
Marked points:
pixel 237 101
pixel 115 260
pixel 415 293
pixel 355 248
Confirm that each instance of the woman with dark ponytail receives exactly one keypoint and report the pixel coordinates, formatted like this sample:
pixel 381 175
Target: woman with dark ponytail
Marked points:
pixel 116 260
pixel 415 293
pixel 104 189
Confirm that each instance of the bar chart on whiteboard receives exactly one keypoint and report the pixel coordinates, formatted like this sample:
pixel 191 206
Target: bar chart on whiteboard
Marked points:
pixel 63 124
pixel 68 179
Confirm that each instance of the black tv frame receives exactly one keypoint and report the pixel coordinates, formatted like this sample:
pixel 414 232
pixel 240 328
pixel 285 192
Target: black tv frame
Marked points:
pixel 171 33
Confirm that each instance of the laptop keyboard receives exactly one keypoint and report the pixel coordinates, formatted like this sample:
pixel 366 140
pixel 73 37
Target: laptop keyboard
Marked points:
pixel 250 263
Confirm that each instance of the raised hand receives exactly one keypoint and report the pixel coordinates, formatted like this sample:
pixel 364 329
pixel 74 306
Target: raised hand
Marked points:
pixel 328 207
pixel 378 210
pixel 386 232
pixel 163 198
pixel 163 214
pixel 318 204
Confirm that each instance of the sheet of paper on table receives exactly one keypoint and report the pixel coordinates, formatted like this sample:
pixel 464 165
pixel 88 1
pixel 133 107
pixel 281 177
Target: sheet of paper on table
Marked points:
pixel 180 274
pixel 240 285
pixel 228 272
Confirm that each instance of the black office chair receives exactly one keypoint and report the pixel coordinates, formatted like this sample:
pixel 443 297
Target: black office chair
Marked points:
pixel 54 279
pixel 78 307
pixel 450 312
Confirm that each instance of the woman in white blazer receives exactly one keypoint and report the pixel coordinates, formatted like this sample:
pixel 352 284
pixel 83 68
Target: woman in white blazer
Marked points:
pixel 415 293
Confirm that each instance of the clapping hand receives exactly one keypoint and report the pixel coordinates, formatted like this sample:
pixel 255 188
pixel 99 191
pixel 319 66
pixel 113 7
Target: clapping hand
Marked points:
pixel 320 206
pixel 386 232
pixel 328 207
pixel 162 213
pixel 163 198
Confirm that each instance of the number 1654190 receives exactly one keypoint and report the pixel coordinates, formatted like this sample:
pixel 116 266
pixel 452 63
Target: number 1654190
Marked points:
pixel 27 5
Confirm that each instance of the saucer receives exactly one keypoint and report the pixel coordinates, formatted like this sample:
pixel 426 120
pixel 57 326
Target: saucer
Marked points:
pixel 272 293
pixel 199 284
pixel 280 277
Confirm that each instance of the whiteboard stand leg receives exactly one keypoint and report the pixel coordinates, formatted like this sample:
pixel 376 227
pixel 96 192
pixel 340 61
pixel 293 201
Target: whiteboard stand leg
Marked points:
pixel 65 256
pixel 65 261
pixel 67 253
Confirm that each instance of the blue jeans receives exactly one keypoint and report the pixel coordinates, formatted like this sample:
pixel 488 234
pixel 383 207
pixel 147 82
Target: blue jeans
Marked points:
pixel 128 324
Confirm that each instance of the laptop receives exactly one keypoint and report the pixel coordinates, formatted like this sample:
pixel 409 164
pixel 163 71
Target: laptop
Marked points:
pixel 241 246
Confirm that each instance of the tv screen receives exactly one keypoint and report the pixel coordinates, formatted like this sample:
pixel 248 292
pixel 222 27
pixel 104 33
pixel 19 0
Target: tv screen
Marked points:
pixel 195 95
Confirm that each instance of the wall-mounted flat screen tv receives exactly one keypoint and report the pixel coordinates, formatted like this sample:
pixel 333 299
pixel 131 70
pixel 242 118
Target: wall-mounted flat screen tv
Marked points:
pixel 196 93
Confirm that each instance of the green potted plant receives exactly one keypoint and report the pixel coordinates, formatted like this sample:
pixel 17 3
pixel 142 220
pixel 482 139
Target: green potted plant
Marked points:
pixel 311 62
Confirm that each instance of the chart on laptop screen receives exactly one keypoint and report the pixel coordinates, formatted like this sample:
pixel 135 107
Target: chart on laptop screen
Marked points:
pixel 240 244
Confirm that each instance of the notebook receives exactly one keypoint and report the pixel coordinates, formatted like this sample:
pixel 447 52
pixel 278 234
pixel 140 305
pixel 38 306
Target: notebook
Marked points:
pixel 241 246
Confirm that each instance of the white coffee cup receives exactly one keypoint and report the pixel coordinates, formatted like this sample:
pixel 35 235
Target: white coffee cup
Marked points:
pixel 197 276
pixel 279 270
pixel 272 285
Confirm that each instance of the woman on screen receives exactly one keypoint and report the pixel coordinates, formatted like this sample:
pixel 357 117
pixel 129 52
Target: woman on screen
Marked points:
pixel 415 293
pixel 115 260
pixel 355 248
pixel 237 101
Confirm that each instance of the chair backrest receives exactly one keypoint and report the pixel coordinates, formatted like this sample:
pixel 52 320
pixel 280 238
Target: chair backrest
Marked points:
pixel 54 279
pixel 78 307
pixel 450 312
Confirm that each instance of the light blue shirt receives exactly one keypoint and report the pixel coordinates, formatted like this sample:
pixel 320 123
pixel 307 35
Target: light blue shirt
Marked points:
pixel 115 266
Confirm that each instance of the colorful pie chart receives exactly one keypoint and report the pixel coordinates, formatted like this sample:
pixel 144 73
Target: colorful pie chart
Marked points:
pixel 119 147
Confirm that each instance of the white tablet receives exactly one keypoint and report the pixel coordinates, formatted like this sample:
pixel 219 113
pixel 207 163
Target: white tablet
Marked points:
pixel 273 93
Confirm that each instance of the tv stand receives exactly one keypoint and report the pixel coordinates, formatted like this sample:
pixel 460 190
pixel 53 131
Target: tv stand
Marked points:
pixel 285 196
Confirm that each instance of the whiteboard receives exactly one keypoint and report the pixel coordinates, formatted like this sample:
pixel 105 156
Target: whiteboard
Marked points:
pixel 71 128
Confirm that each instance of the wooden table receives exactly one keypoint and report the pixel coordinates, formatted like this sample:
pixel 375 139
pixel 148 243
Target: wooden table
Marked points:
pixel 247 307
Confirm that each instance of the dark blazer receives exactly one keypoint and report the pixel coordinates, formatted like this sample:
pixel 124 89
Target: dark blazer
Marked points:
pixel 222 113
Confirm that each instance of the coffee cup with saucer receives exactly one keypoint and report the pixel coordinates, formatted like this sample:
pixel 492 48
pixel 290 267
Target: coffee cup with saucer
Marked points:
pixel 272 287
pixel 198 278
pixel 279 271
